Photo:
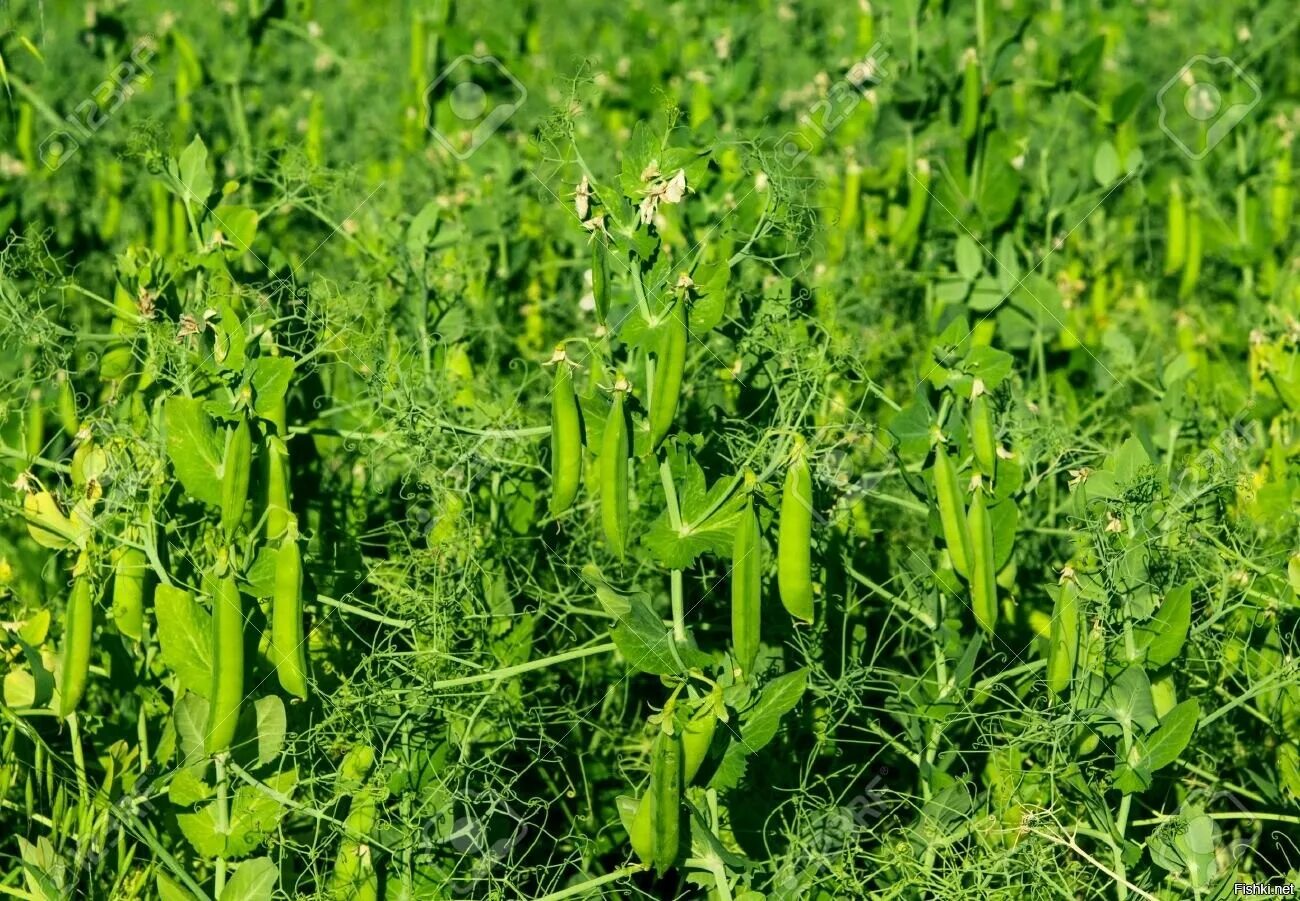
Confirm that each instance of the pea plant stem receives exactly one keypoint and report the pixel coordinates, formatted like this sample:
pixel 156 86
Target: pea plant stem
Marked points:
pixel 223 820
pixel 540 663
pixel 586 888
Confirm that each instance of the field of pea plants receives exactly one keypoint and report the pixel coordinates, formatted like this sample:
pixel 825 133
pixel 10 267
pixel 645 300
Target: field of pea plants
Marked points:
pixel 530 450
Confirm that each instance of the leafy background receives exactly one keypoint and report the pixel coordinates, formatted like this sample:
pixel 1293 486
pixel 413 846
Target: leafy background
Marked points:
pixel 272 205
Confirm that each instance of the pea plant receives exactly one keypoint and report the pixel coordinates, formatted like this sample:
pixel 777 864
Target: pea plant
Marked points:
pixel 799 451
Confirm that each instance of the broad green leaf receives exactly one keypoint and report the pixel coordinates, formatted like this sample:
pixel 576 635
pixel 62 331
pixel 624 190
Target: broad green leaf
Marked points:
pixel 759 723
pixel 48 525
pixel 708 517
pixel 271 728
pixel 237 226
pixel 200 829
pixel 170 890
pixel 194 174
pixel 193 448
pixel 1105 164
pixel 185 634
pixel 186 788
pixel 1168 741
pixel 1005 518
pixel 253 880
pixel 969 257
pixel 254 814
pixel 271 377
pixel 190 714
pixel 1164 635
pixel 644 641
pixel 1129 699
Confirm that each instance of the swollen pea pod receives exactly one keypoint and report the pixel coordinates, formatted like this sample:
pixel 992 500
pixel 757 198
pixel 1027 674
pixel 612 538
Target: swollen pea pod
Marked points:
pixel 67 405
pixel 278 504
pixel 1282 194
pixel 972 93
pixel 614 451
pixel 566 437
pixel 1175 229
pixel 952 512
pixel 983 442
pixel 227 692
pixel 656 831
pixel 696 739
pixel 1192 266
pixel 794 539
pixel 34 433
pixel 670 366
pixel 918 199
pixel 1063 643
pixel 600 279
pixel 79 621
pixel 983 575
pixel 129 570
pixel 235 473
pixel 746 588
pixel 354 877
pixel 288 647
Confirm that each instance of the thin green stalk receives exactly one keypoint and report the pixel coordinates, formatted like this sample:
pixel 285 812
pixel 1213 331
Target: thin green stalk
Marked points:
pixel 517 669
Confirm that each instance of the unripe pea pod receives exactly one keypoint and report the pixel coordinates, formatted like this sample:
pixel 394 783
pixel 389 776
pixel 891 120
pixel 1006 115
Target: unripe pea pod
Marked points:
pixel 904 237
pixel 79 622
pixel 983 443
pixel 600 279
pixel 235 472
pixel 696 739
pixel 288 646
pixel 952 512
pixel 670 366
pixel 746 588
pixel 566 437
pixel 227 686
pixel 1192 266
pixel 34 433
pixel 656 834
pixel 794 538
pixel 1282 194
pixel 129 572
pixel 68 417
pixel 614 452
pixel 1175 229
pixel 1063 642
pixel 983 585
pixel 354 877
pixel 972 93
pixel 279 508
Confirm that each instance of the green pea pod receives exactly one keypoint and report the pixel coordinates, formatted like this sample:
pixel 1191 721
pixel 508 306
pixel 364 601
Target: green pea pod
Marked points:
pixel 566 438
pixel 614 452
pixel 666 794
pixel 1175 229
pixel 1063 643
pixel 746 588
pixel 278 505
pixel 670 365
pixel 227 692
pixel 68 417
pixel 983 443
pixel 1192 267
pixel 235 472
pixel 600 279
pixel 79 621
pixel 129 571
pixel 696 739
pixel 952 512
pixel 640 832
pixel 983 576
pixel 972 94
pixel 354 877
pixel 34 432
pixel 918 199
pixel 794 539
pixel 288 646
pixel 1281 196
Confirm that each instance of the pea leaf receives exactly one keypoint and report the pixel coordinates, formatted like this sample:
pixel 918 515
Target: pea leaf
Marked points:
pixel 193 172
pixel 270 377
pixel 49 526
pixel 253 880
pixel 1163 636
pixel 969 257
pixel 271 728
pixel 644 640
pixel 1129 699
pixel 193 448
pixel 758 726
pixel 708 522
pixel 185 634
pixel 1105 164
pixel 1168 741
pixel 170 890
